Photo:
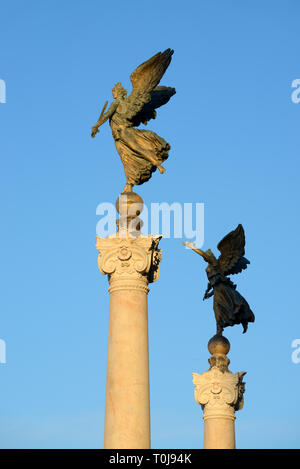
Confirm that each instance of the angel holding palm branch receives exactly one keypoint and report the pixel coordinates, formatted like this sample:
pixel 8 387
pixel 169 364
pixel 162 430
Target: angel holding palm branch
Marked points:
pixel 141 151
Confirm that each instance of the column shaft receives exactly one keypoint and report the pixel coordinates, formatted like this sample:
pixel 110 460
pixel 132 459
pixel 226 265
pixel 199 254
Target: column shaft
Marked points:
pixel 127 409
pixel 131 264
pixel 219 433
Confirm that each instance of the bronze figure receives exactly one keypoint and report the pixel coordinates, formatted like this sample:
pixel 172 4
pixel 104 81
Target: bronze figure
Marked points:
pixel 141 151
pixel 230 307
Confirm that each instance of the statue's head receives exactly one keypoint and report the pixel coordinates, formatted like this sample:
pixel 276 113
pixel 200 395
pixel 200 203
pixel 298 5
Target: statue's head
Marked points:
pixel 118 91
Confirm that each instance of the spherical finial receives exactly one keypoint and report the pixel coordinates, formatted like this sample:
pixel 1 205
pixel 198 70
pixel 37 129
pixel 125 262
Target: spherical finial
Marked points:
pixel 218 344
pixel 129 203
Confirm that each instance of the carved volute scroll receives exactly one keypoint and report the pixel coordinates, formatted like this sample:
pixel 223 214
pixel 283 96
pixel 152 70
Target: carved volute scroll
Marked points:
pixel 218 390
pixel 130 263
pixel 219 393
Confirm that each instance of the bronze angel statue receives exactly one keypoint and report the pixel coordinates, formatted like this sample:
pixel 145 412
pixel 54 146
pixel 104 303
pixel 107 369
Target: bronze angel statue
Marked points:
pixel 230 307
pixel 141 151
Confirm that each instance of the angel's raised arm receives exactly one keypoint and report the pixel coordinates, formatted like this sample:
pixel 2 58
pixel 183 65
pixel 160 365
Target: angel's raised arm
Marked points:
pixel 104 116
pixel 208 255
pixel 198 251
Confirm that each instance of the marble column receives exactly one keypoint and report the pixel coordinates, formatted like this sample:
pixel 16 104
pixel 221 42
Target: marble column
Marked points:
pixel 131 263
pixel 220 394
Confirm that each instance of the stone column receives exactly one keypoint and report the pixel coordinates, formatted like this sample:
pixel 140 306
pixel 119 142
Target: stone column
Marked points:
pixel 131 263
pixel 220 394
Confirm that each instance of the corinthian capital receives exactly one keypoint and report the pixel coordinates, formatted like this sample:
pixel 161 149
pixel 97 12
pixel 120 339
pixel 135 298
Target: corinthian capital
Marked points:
pixel 130 263
pixel 219 393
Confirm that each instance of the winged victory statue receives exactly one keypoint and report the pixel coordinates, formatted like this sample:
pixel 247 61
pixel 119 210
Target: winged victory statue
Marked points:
pixel 230 307
pixel 141 151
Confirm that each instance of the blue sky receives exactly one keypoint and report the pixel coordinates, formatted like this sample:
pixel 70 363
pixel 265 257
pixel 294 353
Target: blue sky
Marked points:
pixel 234 132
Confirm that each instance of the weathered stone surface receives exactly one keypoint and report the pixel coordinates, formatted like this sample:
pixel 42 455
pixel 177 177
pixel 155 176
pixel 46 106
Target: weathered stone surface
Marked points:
pixel 131 264
pixel 220 394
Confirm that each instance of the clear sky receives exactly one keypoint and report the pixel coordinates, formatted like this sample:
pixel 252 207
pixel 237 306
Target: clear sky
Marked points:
pixel 234 132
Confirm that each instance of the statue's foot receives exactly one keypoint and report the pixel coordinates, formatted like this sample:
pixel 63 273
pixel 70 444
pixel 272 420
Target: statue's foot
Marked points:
pixel 161 169
pixel 127 188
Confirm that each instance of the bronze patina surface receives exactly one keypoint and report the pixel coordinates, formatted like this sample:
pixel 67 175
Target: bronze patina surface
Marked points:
pixel 141 150
pixel 230 307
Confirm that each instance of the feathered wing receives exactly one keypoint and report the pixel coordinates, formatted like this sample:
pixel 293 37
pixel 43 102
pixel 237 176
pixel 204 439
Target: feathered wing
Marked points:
pixel 232 248
pixel 144 80
pixel 158 97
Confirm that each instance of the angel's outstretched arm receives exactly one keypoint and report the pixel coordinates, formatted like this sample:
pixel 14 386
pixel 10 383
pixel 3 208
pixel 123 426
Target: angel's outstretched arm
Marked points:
pixel 103 118
pixel 198 251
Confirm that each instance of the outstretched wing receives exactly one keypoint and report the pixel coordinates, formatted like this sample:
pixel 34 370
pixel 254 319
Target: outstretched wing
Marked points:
pixel 144 79
pixel 232 248
pixel 159 96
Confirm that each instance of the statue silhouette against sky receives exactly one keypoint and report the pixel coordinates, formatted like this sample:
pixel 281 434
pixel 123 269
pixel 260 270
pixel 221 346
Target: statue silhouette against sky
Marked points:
pixel 142 151
pixel 230 307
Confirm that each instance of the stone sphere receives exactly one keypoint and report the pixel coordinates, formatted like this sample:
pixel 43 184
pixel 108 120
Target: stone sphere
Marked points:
pixel 125 202
pixel 218 345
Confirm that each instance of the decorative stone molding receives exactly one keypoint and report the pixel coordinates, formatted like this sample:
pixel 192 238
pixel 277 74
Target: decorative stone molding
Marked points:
pixel 219 393
pixel 130 262
pixel 218 390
